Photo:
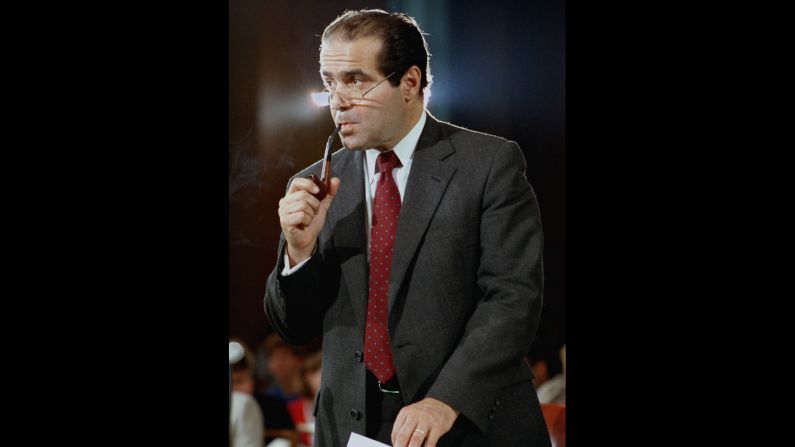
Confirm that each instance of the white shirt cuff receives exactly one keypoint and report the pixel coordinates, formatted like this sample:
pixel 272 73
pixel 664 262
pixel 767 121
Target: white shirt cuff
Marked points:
pixel 287 271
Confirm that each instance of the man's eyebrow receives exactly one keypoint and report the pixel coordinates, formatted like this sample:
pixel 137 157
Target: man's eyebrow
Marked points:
pixel 346 74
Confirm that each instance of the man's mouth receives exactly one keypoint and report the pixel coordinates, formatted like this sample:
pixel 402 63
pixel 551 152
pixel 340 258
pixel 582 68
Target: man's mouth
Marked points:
pixel 346 128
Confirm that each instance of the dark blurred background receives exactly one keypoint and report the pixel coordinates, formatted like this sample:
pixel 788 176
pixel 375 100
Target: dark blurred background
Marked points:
pixel 498 67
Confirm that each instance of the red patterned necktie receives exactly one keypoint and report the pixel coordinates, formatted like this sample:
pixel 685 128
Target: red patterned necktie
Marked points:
pixel 386 209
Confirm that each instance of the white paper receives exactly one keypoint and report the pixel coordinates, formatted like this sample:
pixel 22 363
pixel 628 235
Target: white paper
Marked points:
pixel 357 440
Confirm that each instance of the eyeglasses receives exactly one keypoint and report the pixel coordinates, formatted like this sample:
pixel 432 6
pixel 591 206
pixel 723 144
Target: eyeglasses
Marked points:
pixel 350 92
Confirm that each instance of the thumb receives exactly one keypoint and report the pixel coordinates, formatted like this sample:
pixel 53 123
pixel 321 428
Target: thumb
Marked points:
pixel 332 192
pixel 335 185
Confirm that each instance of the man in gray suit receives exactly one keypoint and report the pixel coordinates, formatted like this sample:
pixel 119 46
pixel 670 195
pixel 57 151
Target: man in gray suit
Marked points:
pixel 422 266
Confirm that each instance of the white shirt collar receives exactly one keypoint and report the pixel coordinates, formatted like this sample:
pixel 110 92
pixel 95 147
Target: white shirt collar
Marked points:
pixel 404 149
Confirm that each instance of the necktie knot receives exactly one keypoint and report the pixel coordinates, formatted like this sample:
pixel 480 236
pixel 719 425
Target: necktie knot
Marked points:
pixel 387 161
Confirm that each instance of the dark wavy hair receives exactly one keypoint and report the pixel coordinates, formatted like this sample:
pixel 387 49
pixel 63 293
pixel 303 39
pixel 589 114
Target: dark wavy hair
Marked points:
pixel 403 42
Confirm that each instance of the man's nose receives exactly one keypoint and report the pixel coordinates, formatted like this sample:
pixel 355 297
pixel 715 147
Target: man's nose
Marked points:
pixel 337 102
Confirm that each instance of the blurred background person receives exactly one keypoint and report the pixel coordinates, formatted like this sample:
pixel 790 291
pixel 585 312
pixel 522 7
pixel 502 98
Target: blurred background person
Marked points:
pixel 246 422
pixel 553 390
pixel 283 367
pixel 284 364
pixel 301 410
pixel 544 361
pixel 262 374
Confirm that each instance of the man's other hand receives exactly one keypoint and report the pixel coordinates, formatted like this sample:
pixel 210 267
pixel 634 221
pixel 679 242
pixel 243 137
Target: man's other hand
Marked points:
pixel 426 420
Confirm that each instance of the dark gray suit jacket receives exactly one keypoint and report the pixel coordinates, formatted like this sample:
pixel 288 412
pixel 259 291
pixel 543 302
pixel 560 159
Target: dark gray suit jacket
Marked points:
pixel 465 291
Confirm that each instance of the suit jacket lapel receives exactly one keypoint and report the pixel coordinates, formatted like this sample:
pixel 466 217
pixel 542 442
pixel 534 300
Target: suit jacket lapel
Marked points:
pixel 426 184
pixel 347 216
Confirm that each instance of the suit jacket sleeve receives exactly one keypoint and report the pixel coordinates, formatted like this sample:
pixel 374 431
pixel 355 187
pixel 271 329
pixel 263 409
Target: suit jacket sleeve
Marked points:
pixel 510 279
pixel 296 304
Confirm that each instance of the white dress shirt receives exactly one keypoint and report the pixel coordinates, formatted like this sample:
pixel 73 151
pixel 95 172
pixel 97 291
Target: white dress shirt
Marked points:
pixel 405 153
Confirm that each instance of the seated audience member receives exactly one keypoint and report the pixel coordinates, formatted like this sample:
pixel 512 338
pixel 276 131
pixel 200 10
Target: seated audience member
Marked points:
pixel 283 366
pixel 301 409
pixel 554 389
pixel 246 422
pixel 284 363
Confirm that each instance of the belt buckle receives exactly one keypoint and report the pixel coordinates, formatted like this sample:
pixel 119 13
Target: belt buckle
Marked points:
pixel 383 390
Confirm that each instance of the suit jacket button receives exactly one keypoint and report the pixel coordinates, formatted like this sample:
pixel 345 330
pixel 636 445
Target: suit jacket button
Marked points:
pixel 358 356
pixel 497 402
pixel 356 414
pixel 491 416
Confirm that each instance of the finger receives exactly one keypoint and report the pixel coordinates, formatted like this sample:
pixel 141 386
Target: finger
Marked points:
pixel 290 221
pixel 295 207
pixel 297 219
pixel 399 421
pixel 335 185
pixel 332 192
pixel 300 196
pixel 418 435
pixel 433 437
pixel 302 184
pixel 404 434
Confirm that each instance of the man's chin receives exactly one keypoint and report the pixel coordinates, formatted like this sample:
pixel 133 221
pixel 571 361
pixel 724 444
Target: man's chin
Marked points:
pixel 352 144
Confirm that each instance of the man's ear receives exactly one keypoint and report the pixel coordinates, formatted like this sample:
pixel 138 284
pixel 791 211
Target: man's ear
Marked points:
pixel 410 83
